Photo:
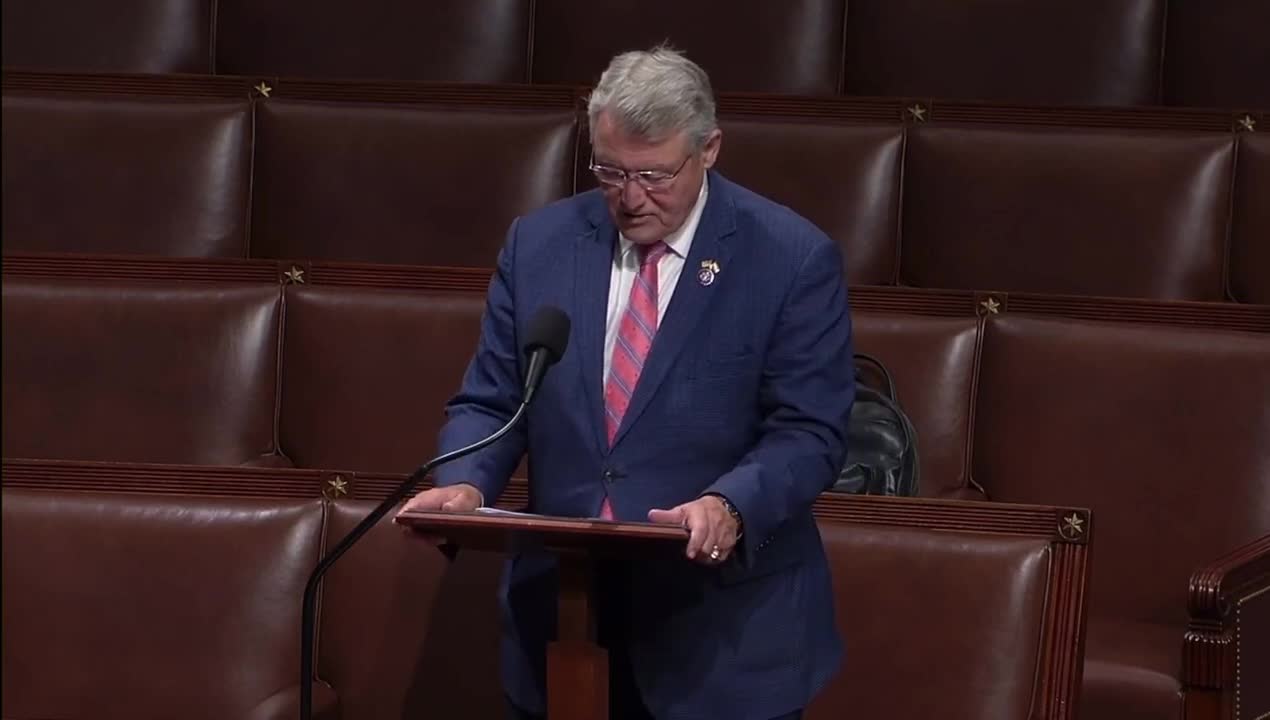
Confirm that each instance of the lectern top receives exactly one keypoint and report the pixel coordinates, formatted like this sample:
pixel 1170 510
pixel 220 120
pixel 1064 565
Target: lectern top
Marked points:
pixel 501 531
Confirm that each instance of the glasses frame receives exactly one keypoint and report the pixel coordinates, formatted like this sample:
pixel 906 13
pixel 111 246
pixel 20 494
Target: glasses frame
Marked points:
pixel 647 179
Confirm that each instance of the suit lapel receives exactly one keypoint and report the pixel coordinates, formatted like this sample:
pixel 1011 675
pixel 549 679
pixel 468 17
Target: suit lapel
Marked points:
pixel 689 303
pixel 592 269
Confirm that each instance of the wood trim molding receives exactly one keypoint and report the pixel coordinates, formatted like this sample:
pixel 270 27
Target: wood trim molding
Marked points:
pixel 834 108
pixel 869 298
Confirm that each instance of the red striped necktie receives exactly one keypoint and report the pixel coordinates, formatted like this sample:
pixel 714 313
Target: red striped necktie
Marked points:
pixel 634 340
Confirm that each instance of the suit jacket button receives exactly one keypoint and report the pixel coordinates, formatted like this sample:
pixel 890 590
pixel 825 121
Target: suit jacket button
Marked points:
pixel 609 476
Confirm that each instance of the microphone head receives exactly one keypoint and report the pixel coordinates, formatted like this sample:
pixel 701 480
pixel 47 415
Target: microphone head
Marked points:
pixel 548 330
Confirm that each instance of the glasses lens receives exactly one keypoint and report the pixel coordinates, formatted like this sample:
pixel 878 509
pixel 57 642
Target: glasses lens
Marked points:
pixel 608 176
pixel 654 180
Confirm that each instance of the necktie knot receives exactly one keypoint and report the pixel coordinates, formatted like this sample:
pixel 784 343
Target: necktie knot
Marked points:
pixel 651 253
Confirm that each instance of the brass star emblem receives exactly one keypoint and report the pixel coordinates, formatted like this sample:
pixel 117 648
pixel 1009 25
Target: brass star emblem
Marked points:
pixel 1248 123
pixel 336 487
pixel 918 113
pixel 992 306
pixel 1073 526
pixel 295 275
pixel 263 88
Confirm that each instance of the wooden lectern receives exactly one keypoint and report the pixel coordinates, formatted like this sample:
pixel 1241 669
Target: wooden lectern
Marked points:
pixel 577 668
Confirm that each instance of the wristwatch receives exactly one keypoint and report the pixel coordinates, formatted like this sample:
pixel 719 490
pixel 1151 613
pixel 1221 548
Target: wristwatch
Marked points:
pixel 736 514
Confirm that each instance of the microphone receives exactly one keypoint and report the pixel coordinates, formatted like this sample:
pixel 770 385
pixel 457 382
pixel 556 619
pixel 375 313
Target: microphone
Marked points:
pixel 547 338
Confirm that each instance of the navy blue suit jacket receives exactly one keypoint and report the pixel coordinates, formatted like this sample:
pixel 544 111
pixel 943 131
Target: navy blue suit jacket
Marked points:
pixel 746 392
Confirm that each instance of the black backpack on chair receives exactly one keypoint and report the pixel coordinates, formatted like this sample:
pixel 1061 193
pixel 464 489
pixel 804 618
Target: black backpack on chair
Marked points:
pixel 881 441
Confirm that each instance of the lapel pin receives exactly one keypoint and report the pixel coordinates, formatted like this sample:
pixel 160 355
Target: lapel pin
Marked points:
pixel 709 269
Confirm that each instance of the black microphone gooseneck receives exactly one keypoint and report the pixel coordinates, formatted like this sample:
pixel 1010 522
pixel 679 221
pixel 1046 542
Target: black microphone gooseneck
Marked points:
pixel 547 338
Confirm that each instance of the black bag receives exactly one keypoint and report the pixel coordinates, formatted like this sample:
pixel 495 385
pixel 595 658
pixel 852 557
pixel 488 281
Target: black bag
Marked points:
pixel 881 441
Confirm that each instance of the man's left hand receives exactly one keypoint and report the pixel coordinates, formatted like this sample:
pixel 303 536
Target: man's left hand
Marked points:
pixel 712 527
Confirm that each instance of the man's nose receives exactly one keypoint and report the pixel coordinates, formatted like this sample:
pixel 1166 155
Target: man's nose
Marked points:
pixel 633 194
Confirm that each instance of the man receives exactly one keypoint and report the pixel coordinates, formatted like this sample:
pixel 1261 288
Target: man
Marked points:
pixel 708 383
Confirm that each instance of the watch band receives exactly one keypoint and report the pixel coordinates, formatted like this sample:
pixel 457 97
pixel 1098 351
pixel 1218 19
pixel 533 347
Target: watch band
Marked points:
pixel 736 514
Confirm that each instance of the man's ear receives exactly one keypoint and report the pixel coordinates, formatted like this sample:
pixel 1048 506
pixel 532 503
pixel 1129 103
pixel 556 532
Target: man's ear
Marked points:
pixel 711 150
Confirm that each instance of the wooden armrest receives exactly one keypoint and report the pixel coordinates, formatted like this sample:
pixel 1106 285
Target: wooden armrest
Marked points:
pixel 1227 599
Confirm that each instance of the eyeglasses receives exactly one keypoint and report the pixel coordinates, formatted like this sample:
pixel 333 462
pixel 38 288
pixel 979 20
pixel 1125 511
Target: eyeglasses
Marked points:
pixel 647 179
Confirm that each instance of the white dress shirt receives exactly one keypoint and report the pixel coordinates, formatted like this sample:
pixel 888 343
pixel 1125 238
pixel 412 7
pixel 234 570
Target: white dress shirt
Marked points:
pixel 626 269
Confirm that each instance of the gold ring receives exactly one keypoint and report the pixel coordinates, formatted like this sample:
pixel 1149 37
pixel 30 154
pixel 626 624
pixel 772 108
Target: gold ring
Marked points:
pixel 714 553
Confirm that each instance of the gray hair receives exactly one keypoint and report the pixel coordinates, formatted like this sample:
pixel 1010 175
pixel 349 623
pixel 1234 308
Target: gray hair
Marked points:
pixel 654 93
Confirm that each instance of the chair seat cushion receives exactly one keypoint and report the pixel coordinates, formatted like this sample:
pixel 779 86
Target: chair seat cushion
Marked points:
pixel 1131 671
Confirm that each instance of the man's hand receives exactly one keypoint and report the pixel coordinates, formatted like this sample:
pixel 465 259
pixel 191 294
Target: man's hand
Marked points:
pixel 711 526
pixel 452 498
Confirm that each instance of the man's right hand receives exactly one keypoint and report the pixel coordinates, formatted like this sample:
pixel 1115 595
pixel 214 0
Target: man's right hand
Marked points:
pixel 452 498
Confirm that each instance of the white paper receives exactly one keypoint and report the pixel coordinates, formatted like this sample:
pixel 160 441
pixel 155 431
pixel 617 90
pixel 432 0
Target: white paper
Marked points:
pixel 508 513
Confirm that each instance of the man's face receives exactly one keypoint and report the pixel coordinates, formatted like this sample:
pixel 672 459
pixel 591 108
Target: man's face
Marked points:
pixel 648 215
